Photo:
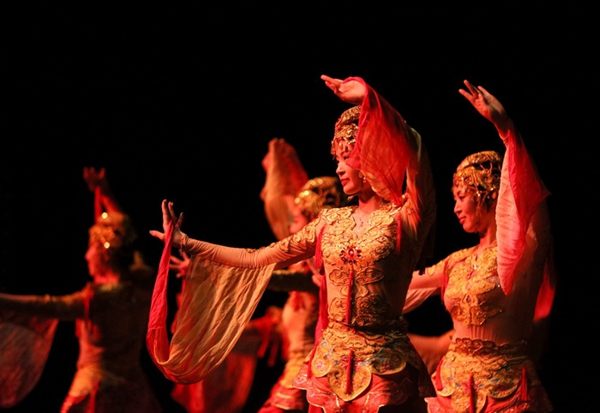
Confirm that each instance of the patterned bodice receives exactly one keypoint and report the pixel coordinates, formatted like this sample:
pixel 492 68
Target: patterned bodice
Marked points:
pixel 359 266
pixel 473 291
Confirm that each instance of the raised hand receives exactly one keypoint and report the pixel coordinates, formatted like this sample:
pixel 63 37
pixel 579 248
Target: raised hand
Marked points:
pixel 349 90
pixel 94 178
pixel 487 105
pixel 168 217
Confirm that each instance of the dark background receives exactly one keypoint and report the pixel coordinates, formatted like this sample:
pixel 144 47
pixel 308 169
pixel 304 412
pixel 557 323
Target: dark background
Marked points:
pixel 180 103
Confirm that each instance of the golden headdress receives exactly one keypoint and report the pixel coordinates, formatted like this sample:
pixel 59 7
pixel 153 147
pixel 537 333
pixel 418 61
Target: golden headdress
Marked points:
pixel 479 173
pixel 112 231
pixel 346 128
pixel 319 193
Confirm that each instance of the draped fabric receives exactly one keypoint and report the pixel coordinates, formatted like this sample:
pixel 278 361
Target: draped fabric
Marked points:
pixel 227 387
pixel 379 152
pixel 520 198
pixel 285 176
pixel 216 305
pixel 25 343
pixel 388 150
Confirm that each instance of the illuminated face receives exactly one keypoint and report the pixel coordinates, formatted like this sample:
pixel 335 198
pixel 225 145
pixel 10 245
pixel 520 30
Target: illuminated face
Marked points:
pixel 349 177
pixel 472 218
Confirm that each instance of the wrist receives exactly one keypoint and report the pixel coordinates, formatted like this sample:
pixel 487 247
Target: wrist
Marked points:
pixel 183 242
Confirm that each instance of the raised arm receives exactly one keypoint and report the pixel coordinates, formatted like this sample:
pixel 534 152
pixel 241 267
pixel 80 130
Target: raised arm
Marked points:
pixel 103 194
pixel 522 217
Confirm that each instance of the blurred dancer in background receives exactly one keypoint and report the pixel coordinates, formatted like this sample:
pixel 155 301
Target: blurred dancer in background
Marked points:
pixel 110 314
pixel 288 209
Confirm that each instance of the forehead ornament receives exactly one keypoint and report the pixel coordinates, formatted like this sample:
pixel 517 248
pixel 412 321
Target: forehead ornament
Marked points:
pixel 346 128
pixel 479 173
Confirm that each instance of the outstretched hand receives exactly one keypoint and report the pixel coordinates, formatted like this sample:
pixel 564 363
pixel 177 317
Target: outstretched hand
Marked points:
pixel 351 91
pixel 168 217
pixel 487 105
pixel 181 265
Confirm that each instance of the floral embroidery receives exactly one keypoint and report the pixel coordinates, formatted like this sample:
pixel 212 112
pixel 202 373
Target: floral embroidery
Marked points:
pixel 473 286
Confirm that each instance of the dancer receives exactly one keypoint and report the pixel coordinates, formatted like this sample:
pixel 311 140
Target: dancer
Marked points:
pixel 498 291
pixel 363 360
pixel 110 314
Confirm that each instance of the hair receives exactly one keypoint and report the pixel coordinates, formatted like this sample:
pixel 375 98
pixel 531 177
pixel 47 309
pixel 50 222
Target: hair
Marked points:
pixel 479 175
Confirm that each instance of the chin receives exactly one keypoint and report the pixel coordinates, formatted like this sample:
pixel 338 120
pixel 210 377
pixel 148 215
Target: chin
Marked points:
pixel 470 229
pixel 351 190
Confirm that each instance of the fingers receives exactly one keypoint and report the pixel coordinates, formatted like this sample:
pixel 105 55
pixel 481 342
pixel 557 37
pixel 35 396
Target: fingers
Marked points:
pixel 157 234
pixel 166 214
pixel 170 215
pixel 333 84
pixel 465 94
pixel 484 92
pixel 179 221
pixel 474 91
pixel 473 94
pixel 327 79
pixel 171 210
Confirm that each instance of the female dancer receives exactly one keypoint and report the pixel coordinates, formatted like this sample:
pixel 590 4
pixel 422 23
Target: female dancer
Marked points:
pixel 363 360
pixel 498 290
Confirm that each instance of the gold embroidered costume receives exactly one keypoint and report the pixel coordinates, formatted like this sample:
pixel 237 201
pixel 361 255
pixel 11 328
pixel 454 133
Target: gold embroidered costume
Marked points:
pixel 496 295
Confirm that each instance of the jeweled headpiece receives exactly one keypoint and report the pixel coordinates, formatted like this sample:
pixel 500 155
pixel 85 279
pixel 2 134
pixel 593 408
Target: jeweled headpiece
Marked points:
pixel 319 193
pixel 479 173
pixel 112 231
pixel 346 128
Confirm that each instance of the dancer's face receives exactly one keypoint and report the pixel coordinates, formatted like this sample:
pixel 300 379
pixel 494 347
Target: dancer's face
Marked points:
pixel 472 218
pixel 349 177
pixel 96 258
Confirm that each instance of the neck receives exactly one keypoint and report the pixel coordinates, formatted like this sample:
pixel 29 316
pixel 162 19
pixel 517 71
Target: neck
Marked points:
pixel 369 201
pixel 487 238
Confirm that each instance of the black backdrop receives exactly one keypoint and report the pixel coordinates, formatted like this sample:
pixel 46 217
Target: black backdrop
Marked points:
pixel 180 103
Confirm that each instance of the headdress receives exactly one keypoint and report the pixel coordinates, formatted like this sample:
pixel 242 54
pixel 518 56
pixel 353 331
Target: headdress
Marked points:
pixel 479 173
pixel 319 193
pixel 112 231
pixel 346 128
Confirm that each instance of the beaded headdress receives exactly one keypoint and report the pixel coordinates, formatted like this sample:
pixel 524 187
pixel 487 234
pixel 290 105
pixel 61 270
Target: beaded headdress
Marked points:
pixel 112 231
pixel 346 128
pixel 319 193
pixel 479 174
